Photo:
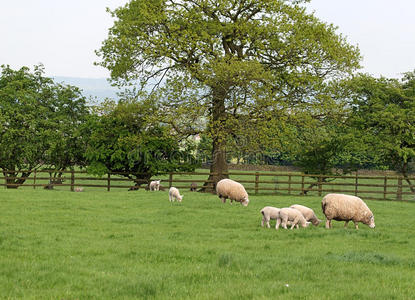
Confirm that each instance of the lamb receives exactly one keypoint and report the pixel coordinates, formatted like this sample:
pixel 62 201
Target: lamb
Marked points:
pixel 193 187
pixel 228 188
pixel 155 185
pixel 269 212
pixel 308 213
pixel 174 194
pixel 293 215
pixel 347 208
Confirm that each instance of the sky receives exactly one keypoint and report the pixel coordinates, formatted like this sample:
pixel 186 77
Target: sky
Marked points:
pixel 63 35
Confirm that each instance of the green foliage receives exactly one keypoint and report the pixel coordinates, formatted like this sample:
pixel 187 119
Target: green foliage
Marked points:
pixel 39 121
pixel 383 116
pixel 123 140
pixel 239 66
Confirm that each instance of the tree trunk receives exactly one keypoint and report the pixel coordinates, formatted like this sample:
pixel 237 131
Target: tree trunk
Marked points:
pixel 14 182
pixel 404 171
pixel 219 166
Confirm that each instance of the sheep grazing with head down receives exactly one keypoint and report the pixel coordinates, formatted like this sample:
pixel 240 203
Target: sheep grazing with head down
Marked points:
pixel 154 185
pixel 228 188
pixel 308 213
pixel 346 208
pixel 292 215
pixel 174 194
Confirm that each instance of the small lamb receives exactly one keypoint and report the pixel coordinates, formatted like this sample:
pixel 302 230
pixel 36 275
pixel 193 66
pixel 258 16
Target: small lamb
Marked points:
pixel 269 212
pixel 290 214
pixel 193 187
pixel 308 213
pixel 155 185
pixel 174 194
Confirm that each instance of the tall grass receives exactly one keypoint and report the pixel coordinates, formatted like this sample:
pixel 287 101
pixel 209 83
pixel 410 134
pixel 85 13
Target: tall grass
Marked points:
pixel 137 245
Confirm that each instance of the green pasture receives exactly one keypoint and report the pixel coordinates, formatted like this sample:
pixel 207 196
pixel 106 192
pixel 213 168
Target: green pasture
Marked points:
pixel 137 245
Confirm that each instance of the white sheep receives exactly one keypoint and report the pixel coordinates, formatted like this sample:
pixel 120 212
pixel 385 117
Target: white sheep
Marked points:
pixel 308 213
pixel 174 194
pixel 287 214
pixel 269 212
pixel 155 185
pixel 228 188
pixel 347 208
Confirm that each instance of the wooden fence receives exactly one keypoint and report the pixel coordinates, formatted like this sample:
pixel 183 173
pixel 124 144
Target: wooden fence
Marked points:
pixel 370 187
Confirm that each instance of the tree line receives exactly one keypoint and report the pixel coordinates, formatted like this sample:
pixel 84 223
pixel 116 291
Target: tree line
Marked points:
pixel 247 77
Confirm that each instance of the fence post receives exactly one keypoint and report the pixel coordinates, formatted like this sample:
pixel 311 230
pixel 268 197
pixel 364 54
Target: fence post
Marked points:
pixel 109 182
pixel 256 182
pixel 302 184
pixel 289 184
pixel 72 180
pixel 399 192
pixel 34 179
pixel 170 179
pixel 5 178
pixel 385 184
pixel 319 185
pixel 356 183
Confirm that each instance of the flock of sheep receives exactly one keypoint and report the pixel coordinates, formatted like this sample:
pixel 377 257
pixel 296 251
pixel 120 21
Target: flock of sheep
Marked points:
pixel 337 207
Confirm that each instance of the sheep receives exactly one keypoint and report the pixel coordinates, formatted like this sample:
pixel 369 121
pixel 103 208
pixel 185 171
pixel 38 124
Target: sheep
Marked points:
pixel 193 187
pixel 269 212
pixel 155 185
pixel 293 215
pixel 346 208
pixel 174 194
pixel 228 188
pixel 79 189
pixel 308 213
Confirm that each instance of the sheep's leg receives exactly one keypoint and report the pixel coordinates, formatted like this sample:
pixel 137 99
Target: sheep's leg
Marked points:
pixel 223 199
pixel 284 222
pixel 230 201
pixel 277 225
pixel 346 223
pixel 295 222
pixel 328 224
pixel 356 224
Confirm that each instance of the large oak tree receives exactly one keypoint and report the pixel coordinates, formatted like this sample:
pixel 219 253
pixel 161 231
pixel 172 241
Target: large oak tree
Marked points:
pixel 235 65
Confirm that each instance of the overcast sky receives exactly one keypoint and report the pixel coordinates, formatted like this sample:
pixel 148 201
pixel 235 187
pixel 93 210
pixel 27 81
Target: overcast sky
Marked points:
pixel 64 34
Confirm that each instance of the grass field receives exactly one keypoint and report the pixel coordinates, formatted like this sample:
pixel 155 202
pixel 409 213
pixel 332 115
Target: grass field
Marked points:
pixel 137 245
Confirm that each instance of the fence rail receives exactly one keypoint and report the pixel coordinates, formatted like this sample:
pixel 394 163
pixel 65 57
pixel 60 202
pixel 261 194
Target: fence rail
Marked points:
pixel 371 187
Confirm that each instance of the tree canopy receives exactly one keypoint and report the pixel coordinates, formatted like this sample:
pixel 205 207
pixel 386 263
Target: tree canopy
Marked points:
pixel 121 139
pixel 236 64
pixel 39 122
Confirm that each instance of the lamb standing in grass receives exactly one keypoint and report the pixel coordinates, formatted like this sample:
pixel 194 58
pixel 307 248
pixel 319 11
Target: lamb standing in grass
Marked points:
pixel 293 215
pixel 269 212
pixel 175 195
pixel 308 213
pixel 155 185
pixel 228 188
pixel 347 208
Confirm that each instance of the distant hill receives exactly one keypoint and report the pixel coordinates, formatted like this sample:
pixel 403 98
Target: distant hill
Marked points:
pixel 97 88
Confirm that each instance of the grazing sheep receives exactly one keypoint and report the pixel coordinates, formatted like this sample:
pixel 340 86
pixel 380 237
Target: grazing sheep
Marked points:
pixel 155 185
pixel 293 215
pixel 268 213
pixel 79 189
pixel 347 208
pixel 193 187
pixel 228 188
pixel 308 213
pixel 175 194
